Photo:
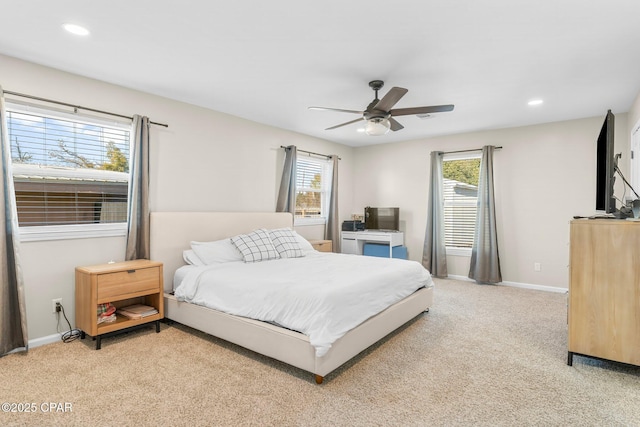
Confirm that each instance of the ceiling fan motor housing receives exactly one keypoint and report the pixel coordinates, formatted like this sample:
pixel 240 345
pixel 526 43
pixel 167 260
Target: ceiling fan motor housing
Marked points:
pixel 371 112
pixel 375 114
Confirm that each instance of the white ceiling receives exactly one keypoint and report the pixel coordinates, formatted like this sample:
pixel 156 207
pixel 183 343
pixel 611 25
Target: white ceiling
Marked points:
pixel 268 61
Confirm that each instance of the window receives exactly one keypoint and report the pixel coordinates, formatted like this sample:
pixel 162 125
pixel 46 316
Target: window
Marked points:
pixel 71 173
pixel 313 186
pixel 460 178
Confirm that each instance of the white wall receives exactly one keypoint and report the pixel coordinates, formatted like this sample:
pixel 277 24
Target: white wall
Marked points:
pixel 633 124
pixel 634 113
pixel 544 175
pixel 204 160
pixel 207 160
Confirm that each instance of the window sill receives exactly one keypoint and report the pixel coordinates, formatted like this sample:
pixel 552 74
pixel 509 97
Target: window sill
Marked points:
pixel 77 231
pixel 309 221
pixel 458 251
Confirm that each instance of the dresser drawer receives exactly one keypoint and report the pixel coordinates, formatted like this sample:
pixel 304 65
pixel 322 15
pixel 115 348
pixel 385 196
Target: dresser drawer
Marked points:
pixel 127 283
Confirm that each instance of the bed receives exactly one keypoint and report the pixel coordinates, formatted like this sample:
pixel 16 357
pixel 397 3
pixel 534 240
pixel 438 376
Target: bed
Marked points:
pixel 171 234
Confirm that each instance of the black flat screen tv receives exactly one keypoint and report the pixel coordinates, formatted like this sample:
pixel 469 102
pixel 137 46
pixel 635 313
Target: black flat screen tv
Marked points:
pixel 606 166
pixel 382 219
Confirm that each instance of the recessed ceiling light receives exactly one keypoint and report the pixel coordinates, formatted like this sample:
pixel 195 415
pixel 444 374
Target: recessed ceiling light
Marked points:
pixel 361 130
pixel 76 29
pixel 534 102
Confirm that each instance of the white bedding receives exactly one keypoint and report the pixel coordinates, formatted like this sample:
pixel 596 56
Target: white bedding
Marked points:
pixel 337 292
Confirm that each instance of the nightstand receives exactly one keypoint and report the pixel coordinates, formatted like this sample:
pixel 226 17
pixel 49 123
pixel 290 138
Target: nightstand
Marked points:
pixel 322 245
pixel 121 284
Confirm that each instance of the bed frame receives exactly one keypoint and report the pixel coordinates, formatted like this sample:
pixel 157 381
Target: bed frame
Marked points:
pixel 172 232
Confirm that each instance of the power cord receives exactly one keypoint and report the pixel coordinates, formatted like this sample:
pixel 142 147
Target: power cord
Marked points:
pixel 71 334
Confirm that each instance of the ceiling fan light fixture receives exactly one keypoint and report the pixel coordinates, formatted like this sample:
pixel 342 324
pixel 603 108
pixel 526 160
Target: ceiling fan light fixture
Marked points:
pixel 377 126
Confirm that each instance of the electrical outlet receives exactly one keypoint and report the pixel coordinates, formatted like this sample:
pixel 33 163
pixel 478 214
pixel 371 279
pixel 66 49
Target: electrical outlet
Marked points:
pixel 537 266
pixel 54 302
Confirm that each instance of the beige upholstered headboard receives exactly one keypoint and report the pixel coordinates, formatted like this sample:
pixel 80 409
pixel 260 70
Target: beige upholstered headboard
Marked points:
pixel 172 232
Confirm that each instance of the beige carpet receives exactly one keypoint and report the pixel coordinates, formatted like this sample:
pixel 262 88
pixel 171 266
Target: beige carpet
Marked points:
pixel 484 355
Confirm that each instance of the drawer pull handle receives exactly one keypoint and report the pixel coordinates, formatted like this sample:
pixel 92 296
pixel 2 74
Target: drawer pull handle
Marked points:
pixel 131 271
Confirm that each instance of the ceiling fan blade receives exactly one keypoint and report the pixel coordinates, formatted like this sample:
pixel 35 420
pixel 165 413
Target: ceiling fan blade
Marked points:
pixel 421 110
pixel 395 125
pixel 344 124
pixel 336 109
pixel 390 99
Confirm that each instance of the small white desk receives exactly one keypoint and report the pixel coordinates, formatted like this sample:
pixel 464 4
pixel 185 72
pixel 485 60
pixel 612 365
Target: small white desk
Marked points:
pixel 353 241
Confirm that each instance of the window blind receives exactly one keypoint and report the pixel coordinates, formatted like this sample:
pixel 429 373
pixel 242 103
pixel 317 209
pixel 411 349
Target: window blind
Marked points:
pixel 310 186
pixel 460 207
pixel 68 171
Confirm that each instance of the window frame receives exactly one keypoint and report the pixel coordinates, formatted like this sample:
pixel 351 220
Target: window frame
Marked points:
pixel 456 250
pixel 634 139
pixel 71 231
pixel 325 191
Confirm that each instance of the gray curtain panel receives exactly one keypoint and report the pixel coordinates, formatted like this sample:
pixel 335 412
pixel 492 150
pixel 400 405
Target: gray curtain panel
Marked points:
pixel 434 254
pixel 138 206
pixel 13 315
pixel 287 193
pixel 332 230
pixel 485 261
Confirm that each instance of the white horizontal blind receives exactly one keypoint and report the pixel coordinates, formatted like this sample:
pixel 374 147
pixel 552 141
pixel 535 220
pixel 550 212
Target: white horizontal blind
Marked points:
pixel 459 213
pixel 460 205
pixel 312 181
pixel 68 170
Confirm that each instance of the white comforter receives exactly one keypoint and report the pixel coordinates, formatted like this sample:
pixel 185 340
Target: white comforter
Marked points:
pixel 322 295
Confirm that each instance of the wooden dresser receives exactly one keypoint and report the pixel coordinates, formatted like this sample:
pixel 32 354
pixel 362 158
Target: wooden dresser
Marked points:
pixel 121 284
pixel 604 290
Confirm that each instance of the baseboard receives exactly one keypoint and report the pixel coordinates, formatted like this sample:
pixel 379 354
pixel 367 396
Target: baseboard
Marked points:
pixel 38 342
pixel 50 339
pixel 519 285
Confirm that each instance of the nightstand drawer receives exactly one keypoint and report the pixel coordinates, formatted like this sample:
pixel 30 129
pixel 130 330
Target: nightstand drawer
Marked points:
pixel 322 245
pixel 127 283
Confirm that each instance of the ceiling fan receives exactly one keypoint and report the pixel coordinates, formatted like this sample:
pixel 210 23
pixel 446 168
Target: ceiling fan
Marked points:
pixel 380 115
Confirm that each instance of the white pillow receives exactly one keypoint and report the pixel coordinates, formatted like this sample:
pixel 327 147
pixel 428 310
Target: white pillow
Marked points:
pixel 216 252
pixel 286 243
pixel 255 246
pixel 304 243
pixel 191 258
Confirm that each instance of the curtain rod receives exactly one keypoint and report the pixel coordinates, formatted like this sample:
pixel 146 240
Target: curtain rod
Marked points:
pixel 467 151
pixel 77 107
pixel 311 152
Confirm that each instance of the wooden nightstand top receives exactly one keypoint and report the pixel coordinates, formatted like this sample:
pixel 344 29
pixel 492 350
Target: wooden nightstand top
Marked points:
pixel 118 266
pixel 319 241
